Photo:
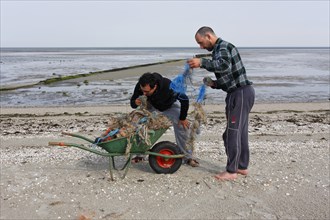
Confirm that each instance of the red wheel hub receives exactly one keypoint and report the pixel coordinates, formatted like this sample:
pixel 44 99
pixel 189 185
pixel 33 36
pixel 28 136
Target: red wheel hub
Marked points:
pixel 165 162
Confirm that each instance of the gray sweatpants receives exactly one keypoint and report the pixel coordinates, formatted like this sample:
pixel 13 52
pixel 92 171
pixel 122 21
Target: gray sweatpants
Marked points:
pixel 181 134
pixel 238 106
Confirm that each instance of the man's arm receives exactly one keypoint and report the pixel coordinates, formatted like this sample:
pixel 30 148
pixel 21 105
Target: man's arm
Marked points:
pixel 220 63
pixel 184 101
pixel 136 94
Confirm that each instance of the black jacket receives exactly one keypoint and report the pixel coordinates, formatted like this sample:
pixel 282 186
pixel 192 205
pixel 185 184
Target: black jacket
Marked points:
pixel 164 97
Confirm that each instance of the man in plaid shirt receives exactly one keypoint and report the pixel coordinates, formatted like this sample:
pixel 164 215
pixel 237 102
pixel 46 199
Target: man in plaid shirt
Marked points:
pixel 231 77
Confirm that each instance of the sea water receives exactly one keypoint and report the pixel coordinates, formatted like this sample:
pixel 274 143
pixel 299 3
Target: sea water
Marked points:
pixel 278 74
pixel 28 65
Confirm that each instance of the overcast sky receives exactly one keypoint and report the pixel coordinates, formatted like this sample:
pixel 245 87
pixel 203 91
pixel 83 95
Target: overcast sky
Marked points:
pixel 162 23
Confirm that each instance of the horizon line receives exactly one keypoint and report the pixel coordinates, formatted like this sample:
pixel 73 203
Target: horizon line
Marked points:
pixel 30 47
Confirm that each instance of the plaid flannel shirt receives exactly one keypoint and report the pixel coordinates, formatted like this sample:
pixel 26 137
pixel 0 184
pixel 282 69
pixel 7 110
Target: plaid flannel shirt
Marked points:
pixel 227 66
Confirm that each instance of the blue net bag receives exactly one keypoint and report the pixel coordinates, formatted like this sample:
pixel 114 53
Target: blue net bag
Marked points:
pixel 201 94
pixel 179 83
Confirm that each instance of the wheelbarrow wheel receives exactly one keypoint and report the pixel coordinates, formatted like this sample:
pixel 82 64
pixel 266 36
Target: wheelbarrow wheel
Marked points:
pixel 165 165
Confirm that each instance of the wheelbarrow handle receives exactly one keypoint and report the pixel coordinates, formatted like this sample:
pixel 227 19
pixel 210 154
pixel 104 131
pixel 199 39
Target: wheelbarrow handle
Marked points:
pixel 62 144
pixel 78 136
pixel 66 133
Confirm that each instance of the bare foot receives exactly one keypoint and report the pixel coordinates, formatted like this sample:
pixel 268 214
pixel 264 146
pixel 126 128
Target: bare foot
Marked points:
pixel 192 162
pixel 226 176
pixel 243 172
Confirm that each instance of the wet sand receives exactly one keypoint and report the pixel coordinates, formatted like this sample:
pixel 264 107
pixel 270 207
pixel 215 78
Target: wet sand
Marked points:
pixel 289 170
pixel 169 68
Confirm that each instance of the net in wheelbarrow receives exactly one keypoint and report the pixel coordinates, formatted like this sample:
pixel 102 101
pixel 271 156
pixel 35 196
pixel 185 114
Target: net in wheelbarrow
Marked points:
pixel 164 157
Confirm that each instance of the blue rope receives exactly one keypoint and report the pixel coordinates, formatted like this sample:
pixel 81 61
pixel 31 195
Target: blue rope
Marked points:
pixel 110 134
pixel 179 84
pixel 201 94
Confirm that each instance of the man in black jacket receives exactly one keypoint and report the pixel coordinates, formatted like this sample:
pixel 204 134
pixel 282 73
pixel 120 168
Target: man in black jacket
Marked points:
pixel 173 105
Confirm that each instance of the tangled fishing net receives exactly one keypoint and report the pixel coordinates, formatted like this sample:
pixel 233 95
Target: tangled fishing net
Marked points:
pixel 198 116
pixel 140 121
pixel 180 82
pixel 137 123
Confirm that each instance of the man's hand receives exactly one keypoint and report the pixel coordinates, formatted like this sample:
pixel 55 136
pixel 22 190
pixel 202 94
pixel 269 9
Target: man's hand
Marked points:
pixel 208 81
pixel 194 62
pixel 184 123
pixel 138 102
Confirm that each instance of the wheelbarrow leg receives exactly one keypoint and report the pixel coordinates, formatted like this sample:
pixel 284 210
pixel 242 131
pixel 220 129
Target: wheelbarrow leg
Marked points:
pixel 111 164
pixel 127 165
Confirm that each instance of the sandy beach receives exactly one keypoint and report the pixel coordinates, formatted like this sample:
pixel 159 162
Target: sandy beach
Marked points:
pixel 288 179
pixel 289 171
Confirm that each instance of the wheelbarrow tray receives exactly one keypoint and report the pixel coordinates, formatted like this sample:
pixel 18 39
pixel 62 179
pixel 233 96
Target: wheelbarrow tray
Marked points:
pixel 138 145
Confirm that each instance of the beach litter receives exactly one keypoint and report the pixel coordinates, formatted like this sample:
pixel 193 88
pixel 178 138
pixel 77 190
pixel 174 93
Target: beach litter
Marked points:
pixel 134 133
pixel 138 122
pixel 138 131
pixel 198 116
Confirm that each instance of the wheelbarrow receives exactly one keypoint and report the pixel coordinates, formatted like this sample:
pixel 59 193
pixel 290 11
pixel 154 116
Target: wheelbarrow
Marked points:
pixel 164 156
